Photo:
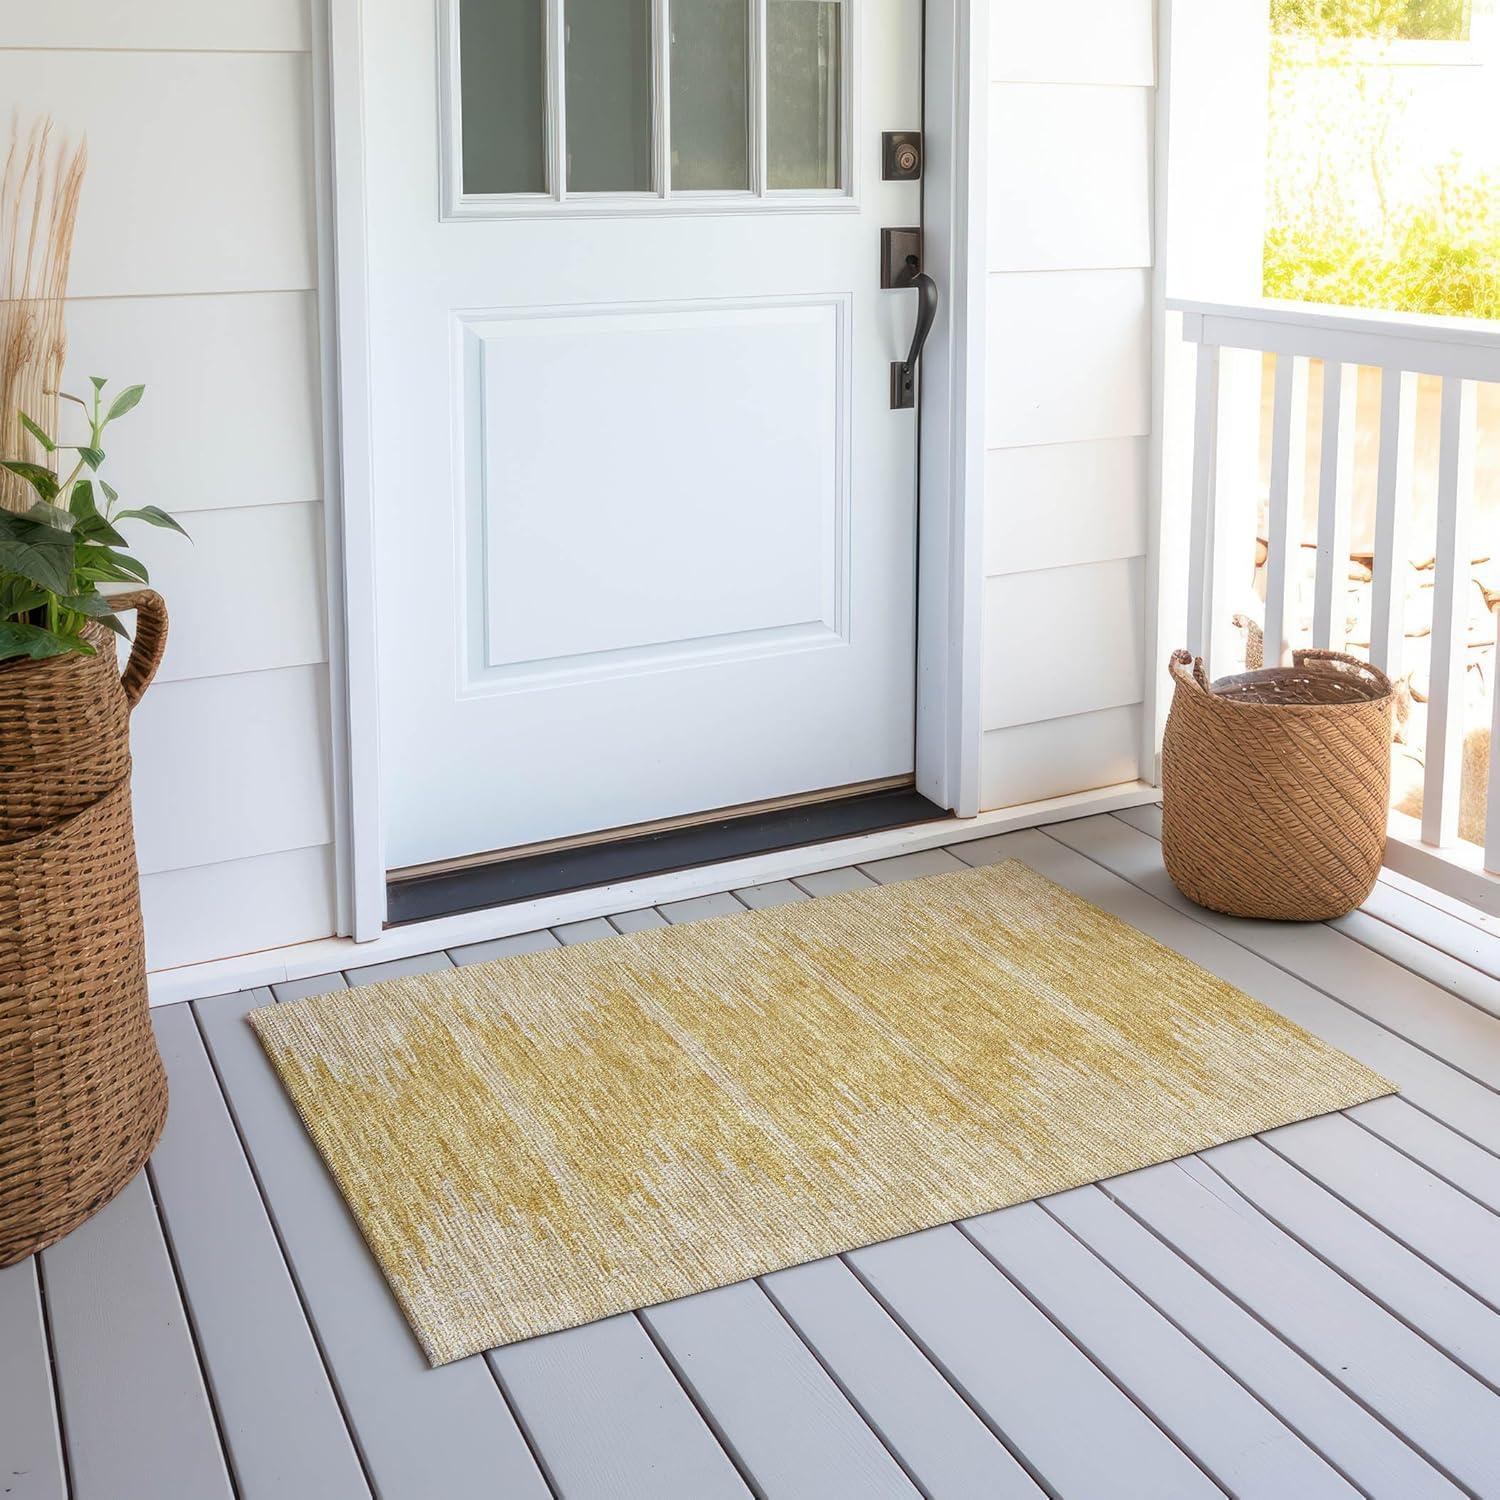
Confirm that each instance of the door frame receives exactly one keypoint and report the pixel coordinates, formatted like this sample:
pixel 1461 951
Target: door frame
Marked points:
pixel 950 566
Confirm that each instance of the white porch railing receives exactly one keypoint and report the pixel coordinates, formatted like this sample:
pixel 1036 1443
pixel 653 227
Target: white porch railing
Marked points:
pixel 1233 508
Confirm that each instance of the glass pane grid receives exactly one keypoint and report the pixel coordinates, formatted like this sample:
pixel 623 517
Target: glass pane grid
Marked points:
pixel 642 101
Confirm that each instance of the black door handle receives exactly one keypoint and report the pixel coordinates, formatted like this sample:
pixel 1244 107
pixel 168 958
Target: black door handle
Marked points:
pixel 904 372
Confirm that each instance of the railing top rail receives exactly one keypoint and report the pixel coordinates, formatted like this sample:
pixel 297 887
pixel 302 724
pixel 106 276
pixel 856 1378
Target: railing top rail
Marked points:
pixel 1465 347
pixel 1482 331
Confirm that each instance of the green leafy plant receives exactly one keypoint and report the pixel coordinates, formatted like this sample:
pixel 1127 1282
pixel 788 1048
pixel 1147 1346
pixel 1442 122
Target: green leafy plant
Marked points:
pixel 55 553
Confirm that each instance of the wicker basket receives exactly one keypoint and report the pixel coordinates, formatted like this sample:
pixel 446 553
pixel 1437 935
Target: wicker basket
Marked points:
pixel 83 1095
pixel 1276 786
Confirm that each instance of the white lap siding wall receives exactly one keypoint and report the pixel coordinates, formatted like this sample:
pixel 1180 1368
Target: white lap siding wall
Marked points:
pixel 195 271
pixel 1068 376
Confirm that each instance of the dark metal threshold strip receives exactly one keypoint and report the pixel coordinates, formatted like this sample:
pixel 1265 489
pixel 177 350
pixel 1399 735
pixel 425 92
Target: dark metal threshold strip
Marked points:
pixel 422 897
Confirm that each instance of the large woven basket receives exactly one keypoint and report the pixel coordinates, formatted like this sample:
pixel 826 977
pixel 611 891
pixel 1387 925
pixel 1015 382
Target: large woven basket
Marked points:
pixel 1276 786
pixel 83 1095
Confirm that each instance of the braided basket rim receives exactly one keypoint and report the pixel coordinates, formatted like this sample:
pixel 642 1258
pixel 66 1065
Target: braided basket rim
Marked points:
pixel 1183 667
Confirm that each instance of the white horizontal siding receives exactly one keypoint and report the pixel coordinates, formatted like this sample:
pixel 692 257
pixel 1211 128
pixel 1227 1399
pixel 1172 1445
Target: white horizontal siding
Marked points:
pixel 1069 356
pixel 194 273
pixel 230 415
pixel 1053 504
pixel 241 906
pixel 200 165
pixel 1063 641
pixel 1068 381
pixel 231 767
pixel 175 25
pixel 1028 762
pixel 275 615
pixel 1085 41
pixel 1070 177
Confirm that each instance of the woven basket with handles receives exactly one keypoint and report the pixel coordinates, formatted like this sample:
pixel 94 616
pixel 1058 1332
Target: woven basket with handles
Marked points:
pixel 1276 786
pixel 83 1095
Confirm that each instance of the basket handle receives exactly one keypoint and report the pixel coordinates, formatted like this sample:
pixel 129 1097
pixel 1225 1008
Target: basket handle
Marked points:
pixel 1364 668
pixel 1178 664
pixel 150 640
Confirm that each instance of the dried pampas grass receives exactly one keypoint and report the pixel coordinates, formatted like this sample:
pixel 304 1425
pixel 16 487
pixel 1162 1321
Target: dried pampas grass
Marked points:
pixel 38 212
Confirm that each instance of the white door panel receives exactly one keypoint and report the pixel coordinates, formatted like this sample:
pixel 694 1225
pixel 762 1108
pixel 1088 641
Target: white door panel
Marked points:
pixel 646 523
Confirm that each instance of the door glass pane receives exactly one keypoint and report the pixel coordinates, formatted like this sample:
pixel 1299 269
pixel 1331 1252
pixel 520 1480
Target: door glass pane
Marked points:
pixel 608 100
pixel 710 94
pixel 502 53
pixel 803 79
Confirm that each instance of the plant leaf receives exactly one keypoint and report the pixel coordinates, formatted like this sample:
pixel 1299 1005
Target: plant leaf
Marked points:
pixel 50 515
pixel 155 516
pixel 93 457
pixel 92 526
pixel 98 382
pixel 19 639
pixel 36 431
pixel 110 492
pixel 96 607
pixel 43 481
pixel 39 553
pixel 127 400
pixel 96 564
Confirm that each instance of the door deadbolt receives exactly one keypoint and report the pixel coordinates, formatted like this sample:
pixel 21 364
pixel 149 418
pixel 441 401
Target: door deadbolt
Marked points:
pixel 901 152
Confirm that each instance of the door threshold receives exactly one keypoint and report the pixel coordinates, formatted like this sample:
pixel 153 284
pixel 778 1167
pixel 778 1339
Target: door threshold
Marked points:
pixel 217 976
pixel 530 877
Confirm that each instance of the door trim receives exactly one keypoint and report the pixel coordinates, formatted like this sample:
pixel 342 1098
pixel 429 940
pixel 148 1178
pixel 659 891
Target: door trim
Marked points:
pixel 950 575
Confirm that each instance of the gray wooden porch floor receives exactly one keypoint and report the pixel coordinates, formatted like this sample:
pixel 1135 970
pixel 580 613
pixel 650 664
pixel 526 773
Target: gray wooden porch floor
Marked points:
pixel 1314 1312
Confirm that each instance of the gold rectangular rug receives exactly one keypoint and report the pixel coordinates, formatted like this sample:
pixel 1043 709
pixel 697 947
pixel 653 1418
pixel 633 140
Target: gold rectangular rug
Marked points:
pixel 539 1142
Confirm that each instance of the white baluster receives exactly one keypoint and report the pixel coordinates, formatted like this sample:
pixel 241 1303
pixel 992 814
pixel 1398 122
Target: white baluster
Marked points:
pixel 1288 477
pixel 1335 504
pixel 1398 425
pixel 1201 571
pixel 1450 614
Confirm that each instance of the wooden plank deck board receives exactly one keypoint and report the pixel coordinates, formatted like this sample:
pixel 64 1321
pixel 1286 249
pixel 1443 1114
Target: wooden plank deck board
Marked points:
pixel 911 866
pixel 264 1368
pixel 1123 874
pixel 776 1410
pixel 777 893
pixel 1290 1316
pixel 1419 1295
pixel 1446 1154
pixel 832 882
pixel 1474 943
pixel 1458 978
pixel 1442 1226
pixel 1035 1388
pixel 1423 1013
pixel 1353 1441
pixel 302 989
pixel 1445 1413
pixel 640 920
pixel 583 932
pixel 407 968
pixel 944 1445
pixel 699 908
pixel 1231 1434
pixel 136 1417
pixel 506 947
pixel 31 1458
pixel 421 1432
pixel 609 1419
pixel 1430 941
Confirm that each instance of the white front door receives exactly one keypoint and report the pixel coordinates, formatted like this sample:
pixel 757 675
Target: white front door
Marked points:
pixel 645 517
